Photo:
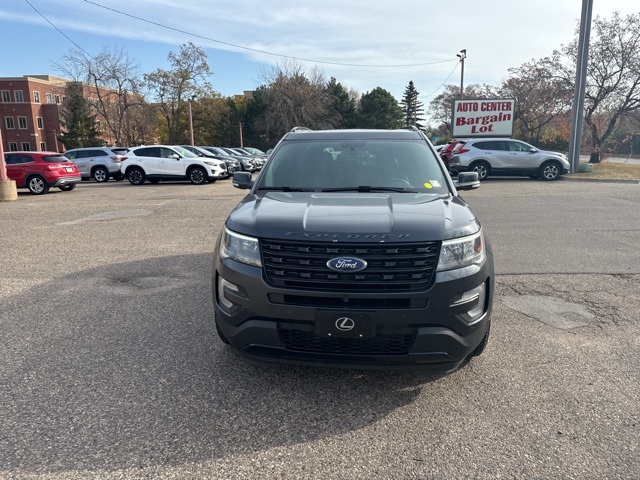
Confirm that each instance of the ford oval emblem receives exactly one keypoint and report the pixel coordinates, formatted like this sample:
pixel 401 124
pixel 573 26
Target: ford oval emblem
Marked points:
pixel 346 264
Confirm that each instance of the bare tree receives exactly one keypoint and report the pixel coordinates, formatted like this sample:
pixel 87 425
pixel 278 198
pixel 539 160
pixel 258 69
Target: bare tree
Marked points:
pixel 613 75
pixel 540 98
pixel 172 89
pixel 295 97
pixel 114 82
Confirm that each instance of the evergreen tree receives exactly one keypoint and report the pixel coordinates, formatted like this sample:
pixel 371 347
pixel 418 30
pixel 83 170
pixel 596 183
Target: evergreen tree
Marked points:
pixel 343 105
pixel 412 108
pixel 78 122
pixel 379 109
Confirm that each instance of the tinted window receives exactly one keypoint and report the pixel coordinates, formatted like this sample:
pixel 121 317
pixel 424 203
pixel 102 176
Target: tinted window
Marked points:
pixel 519 147
pixel 55 158
pixel 120 151
pixel 148 152
pixel 71 155
pixel 18 159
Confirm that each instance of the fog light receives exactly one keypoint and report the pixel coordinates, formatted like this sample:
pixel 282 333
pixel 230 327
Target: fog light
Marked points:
pixel 475 300
pixel 222 298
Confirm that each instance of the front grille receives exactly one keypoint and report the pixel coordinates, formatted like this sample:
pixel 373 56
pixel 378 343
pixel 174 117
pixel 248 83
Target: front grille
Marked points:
pixel 382 344
pixel 399 267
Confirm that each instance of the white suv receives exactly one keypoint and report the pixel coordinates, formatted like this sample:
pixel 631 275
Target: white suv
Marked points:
pixel 163 162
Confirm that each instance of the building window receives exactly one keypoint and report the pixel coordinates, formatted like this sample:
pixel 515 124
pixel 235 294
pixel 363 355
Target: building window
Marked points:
pixel 43 147
pixel 8 121
pixel 22 123
pixel 18 95
pixel 6 96
pixel 26 146
pixel 13 146
pixel 49 98
pixel 39 122
pixel 57 98
pixel 36 97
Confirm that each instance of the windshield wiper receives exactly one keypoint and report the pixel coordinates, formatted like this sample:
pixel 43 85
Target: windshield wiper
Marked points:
pixel 368 188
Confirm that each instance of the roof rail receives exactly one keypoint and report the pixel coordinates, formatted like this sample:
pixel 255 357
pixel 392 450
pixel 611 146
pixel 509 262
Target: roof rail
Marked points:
pixel 300 129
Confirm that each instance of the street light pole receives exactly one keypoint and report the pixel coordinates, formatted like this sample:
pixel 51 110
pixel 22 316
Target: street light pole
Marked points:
pixel 462 55
pixel 191 120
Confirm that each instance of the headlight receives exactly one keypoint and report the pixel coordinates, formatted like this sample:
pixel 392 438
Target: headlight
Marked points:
pixel 206 162
pixel 240 248
pixel 462 252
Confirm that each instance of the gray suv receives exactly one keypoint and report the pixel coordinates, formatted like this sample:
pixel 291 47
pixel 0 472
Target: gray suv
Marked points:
pixel 353 248
pixel 505 156
pixel 100 163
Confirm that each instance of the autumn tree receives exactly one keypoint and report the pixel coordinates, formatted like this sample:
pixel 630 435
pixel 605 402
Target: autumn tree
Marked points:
pixel 540 98
pixel 613 75
pixel 441 107
pixel 173 88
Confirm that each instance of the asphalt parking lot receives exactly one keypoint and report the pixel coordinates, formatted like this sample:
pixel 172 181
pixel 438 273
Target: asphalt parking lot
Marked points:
pixel 110 366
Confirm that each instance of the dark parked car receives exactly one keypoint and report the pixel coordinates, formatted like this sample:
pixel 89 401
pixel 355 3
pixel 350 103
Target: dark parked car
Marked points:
pixel 370 259
pixel 233 164
pixel 39 171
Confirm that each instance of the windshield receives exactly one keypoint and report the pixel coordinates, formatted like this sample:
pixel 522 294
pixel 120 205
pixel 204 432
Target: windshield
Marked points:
pixel 324 165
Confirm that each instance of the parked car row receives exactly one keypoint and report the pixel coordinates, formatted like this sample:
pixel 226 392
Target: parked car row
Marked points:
pixel 503 156
pixel 40 171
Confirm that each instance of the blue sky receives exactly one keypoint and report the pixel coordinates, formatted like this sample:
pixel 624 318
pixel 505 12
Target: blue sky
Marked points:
pixel 408 40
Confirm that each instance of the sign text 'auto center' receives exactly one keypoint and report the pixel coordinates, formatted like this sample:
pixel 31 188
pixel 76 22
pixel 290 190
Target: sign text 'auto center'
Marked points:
pixel 483 118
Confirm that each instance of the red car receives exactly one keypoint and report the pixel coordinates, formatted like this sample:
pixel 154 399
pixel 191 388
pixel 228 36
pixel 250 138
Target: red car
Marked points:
pixel 39 171
pixel 446 152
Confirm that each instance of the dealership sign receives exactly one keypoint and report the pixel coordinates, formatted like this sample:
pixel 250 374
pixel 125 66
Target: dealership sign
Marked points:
pixel 483 118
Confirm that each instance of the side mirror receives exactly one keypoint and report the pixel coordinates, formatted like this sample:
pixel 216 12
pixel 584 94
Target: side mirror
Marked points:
pixel 467 181
pixel 175 156
pixel 533 150
pixel 243 180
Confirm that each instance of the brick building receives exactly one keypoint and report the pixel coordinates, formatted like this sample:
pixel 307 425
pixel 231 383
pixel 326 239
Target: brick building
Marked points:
pixel 30 112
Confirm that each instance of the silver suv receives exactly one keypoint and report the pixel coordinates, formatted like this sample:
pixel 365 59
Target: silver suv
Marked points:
pixel 100 163
pixel 505 156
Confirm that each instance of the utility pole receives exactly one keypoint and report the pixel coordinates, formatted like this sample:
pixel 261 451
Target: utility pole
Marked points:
pixel 577 111
pixel 462 55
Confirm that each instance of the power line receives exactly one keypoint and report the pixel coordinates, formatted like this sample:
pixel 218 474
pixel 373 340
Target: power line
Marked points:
pixel 59 31
pixel 443 83
pixel 157 24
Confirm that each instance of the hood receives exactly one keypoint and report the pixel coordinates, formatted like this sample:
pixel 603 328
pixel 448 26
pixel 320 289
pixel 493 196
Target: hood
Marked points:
pixel 353 217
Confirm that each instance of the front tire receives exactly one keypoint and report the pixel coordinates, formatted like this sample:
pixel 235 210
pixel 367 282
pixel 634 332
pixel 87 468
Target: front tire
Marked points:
pixel 101 174
pixel 550 171
pixel 483 344
pixel 482 168
pixel 38 185
pixel 197 176
pixel 136 176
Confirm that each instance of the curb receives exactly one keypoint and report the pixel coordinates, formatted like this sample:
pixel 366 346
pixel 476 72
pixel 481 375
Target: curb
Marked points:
pixel 601 180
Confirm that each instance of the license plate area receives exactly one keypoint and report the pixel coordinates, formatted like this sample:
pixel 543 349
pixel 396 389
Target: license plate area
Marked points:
pixel 330 324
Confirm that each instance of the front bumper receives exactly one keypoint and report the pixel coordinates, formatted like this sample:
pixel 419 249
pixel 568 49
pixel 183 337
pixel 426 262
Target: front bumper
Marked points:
pixel 422 330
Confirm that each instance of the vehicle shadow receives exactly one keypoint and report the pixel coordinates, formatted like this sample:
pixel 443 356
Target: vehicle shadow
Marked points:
pixel 120 367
